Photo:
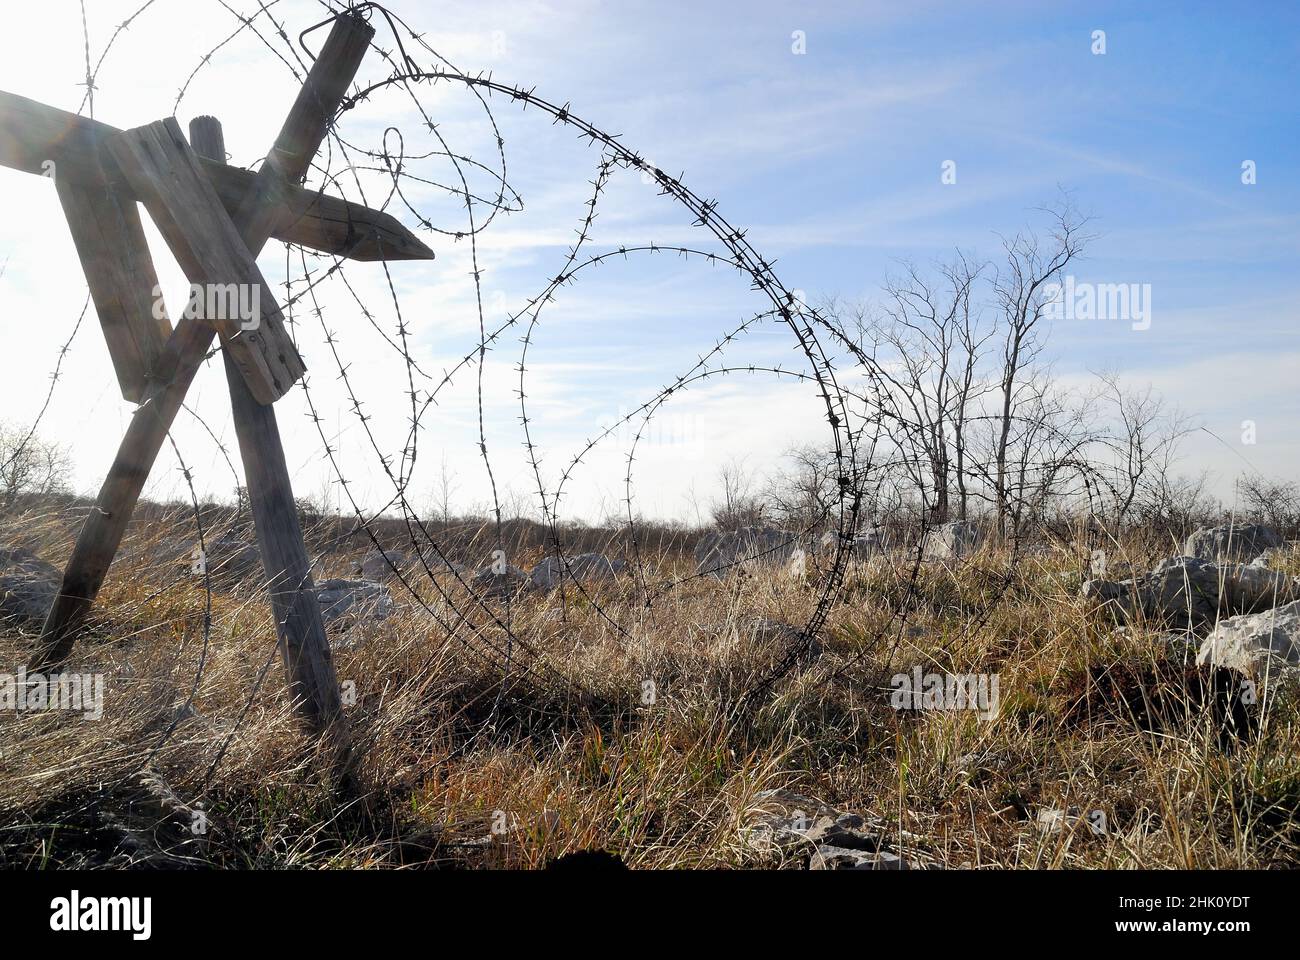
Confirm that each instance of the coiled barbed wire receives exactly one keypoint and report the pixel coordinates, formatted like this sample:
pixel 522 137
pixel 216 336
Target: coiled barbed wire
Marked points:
pixel 852 416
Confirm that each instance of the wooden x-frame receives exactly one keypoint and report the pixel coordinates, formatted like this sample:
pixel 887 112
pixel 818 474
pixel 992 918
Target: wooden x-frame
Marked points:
pixel 215 219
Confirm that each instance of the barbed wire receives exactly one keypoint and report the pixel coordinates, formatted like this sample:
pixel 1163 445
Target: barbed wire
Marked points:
pixel 760 272
pixel 468 609
pixel 30 437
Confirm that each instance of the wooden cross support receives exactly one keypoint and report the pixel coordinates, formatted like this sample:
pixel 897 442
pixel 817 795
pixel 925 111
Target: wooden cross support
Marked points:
pixel 215 219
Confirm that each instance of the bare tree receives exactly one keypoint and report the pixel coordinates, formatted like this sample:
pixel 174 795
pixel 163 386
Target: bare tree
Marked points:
pixel 1021 295
pixel 1144 441
pixel 1176 505
pixel 29 465
pixel 738 505
pixel 444 489
pixel 925 345
pixel 1051 438
pixel 957 390
pixel 1274 502
pixel 967 388
pixel 802 495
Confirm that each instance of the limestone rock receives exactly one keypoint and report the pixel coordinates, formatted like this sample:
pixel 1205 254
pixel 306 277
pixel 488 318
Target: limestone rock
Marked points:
pixel 863 546
pixel 353 600
pixel 1231 543
pixel 792 824
pixel 1265 560
pixel 721 553
pixel 500 581
pixel 378 565
pixel 752 631
pixel 830 857
pixel 1192 592
pixel 584 568
pixel 780 818
pixel 952 540
pixel 230 556
pixel 1104 591
pixel 28 585
pixel 1181 589
pixel 1256 644
pixel 1253 587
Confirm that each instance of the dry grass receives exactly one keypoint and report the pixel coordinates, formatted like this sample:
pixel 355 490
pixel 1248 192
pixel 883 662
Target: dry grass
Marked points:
pixel 562 755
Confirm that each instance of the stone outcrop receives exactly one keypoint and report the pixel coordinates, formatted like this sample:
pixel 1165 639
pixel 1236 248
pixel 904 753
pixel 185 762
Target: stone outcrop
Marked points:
pixel 791 825
pixel 1231 543
pixel 230 556
pixel 721 553
pixel 1192 592
pixel 952 540
pixel 863 546
pixel 28 585
pixel 1256 644
pixel 378 565
pixel 499 581
pixel 583 568
pixel 353 600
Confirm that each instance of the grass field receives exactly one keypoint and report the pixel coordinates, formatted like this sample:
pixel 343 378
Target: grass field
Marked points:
pixel 463 762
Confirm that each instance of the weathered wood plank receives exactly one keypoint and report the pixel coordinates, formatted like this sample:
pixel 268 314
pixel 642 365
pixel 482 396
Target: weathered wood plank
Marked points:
pixel 33 134
pixel 102 532
pixel 303 132
pixel 120 273
pixel 164 171
pixel 323 222
pixel 105 525
pixel 299 627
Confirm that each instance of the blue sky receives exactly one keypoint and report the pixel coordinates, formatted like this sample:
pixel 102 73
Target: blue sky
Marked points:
pixel 830 158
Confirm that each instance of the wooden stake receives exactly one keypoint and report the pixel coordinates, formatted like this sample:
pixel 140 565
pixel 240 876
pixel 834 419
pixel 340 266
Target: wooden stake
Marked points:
pixel 323 222
pixel 304 647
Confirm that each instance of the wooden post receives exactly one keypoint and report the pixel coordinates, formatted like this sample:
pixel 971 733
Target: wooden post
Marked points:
pixel 101 535
pixel 115 258
pixel 303 644
pixel 102 532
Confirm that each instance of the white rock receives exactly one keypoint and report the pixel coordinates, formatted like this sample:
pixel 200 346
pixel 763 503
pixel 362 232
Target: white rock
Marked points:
pixel 1253 587
pixel 863 546
pixel 378 565
pixel 953 540
pixel 828 857
pixel 721 553
pixel 230 557
pixel 1189 591
pixel 794 825
pixel 1265 559
pixel 501 581
pixel 585 567
pixel 28 585
pixel 352 600
pixel 1256 644
pixel 1233 544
